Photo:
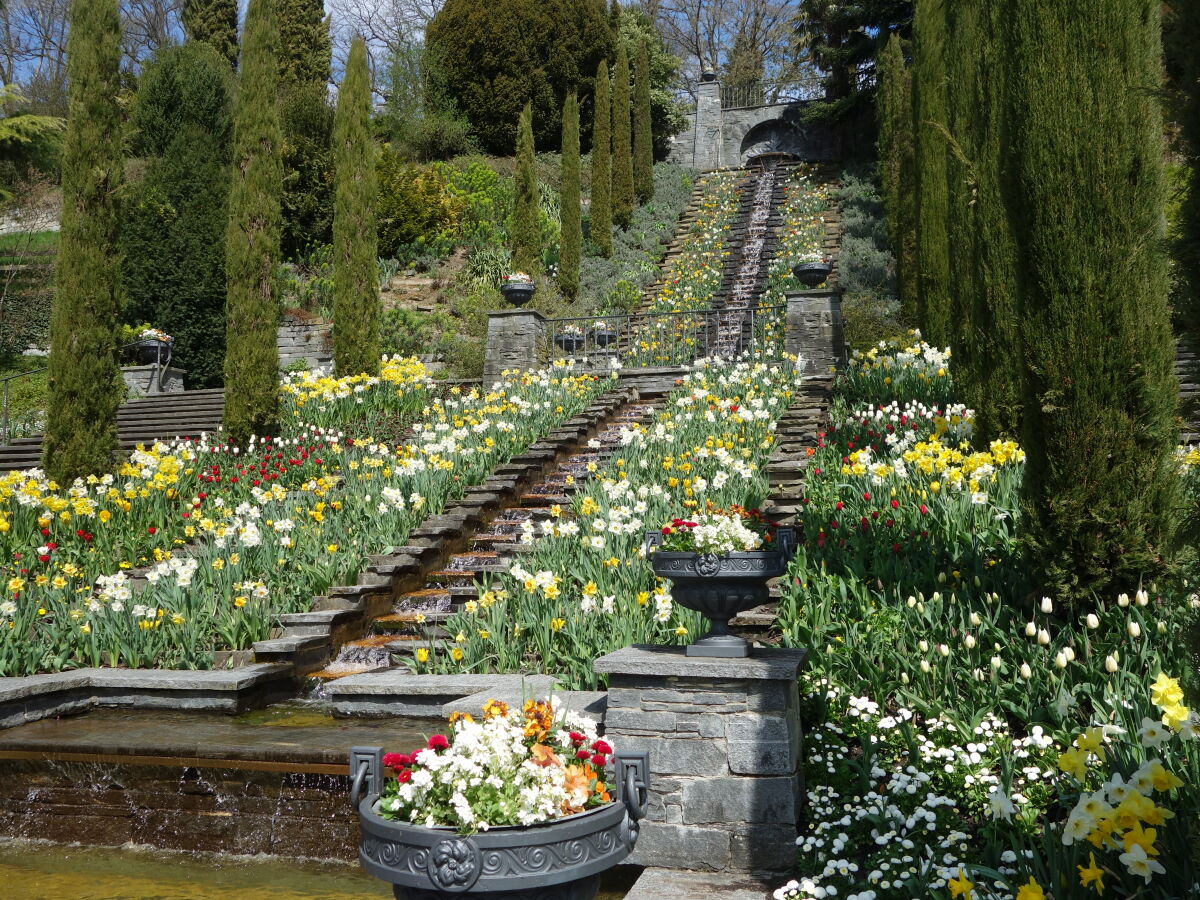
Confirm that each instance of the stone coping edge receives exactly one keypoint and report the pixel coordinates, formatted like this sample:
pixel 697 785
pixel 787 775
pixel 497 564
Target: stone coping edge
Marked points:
pixel 672 884
pixel 646 659
pixel 28 698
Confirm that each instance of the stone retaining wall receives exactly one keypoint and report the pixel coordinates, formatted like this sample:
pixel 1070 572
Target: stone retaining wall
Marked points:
pixel 305 340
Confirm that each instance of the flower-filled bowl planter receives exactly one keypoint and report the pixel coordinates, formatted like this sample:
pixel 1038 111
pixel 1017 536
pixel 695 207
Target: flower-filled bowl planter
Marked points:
pixel 571 343
pixel 558 828
pixel 603 336
pixel 812 274
pixel 152 348
pixel 719 585
pixel 518 288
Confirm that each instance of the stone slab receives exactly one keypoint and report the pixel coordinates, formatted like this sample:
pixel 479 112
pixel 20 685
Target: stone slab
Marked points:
pixel 677 884
pixel 588 703
pixel 645 659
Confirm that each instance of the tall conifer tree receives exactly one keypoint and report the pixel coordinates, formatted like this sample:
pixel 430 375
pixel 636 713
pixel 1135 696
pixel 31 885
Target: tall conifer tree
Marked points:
pixel 1181 38
pixel 214 22
pixel 929 107
pixel 896 168
pixel 81 412
pixel 570 213
pixel 525 231
pixel 252 241
pixel 1085 190
pixel 355 272
pixel 622 159
pixel 600 223
pixel 643 133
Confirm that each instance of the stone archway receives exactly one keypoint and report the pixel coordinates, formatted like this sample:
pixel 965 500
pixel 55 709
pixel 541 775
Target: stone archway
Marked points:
pixel 771 137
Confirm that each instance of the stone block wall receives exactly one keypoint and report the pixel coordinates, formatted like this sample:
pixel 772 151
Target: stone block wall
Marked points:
pixel 814 329
pixel 305 340
pixel 515 339
pixel 724 743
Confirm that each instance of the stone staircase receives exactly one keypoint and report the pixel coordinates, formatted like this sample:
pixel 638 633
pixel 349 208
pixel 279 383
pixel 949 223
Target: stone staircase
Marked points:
pixel 1187 368
pixel 142 421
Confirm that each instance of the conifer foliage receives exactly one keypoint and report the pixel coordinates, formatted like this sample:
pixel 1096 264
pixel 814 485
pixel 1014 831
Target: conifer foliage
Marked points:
pixel 213 22
pixel 252 239
pixel 570 214
pixel 622 158
pixel 355 276
pixel 1084 184
pixel 81 428
pixel 601 220
pixel 643 134
pixel 929 108
pixel 897 166
pixel 525 231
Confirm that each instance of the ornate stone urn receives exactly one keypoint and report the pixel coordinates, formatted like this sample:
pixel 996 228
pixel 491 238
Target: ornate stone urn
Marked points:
pixel 559 860
pixel 812 274
pixel 518 293
pixel 720 587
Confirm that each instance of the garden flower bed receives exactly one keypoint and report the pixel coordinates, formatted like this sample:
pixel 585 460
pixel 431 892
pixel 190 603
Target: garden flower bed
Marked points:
pixel 968 739
pixel 225 539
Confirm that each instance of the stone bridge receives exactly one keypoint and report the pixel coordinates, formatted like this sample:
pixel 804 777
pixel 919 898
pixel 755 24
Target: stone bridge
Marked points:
pixel 717 138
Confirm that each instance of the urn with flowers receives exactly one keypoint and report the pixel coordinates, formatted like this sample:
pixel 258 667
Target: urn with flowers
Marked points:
pixel 719 564
pixel 524 804
pixel 518 288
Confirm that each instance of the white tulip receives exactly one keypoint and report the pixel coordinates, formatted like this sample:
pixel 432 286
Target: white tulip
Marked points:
pixel 904 678
pixel 1134 629
pixel 1043 637
pixel 975 620
pixel 969 640
pixel 1092 621
pixel 1123 600
pixel 1162 627
pixel 1047 605
pixel 997 662
pixel 1110 664
pixel 1060 659
pixel 925 667
pixel 1069 653
pixel 923 645
pixel 1026 672
pixel 1142 598
pixel 943 649
pixel 1031 629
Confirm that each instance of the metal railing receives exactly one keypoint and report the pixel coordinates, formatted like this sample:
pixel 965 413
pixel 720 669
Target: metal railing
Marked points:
pixel 7 431
pixel 770 93
pixel 665 339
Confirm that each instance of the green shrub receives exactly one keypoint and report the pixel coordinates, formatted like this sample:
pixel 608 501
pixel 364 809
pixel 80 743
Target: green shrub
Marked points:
pixel 406 332
pixel 413 205
pixel 436 136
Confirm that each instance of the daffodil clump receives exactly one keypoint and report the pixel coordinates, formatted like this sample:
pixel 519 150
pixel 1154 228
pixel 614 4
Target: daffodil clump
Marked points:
pixel 1043 765
pixel 198 546
pixel 319 398
pixel 585 587
pixel 910 372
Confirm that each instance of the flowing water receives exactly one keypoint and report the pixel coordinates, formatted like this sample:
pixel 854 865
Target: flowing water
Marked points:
pixel 34 870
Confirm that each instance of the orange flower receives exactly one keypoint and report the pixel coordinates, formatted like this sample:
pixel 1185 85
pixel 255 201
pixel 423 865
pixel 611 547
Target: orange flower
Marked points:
pixel 544 756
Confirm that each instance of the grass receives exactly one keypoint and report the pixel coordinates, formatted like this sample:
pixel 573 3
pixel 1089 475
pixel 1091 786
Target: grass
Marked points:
pixel 26 396
pixel 22 242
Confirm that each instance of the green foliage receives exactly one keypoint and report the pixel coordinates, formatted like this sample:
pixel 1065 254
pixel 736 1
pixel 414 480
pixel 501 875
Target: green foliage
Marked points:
pixel 24 136
pixel 525 231
pixel 897 168
pixel 252 248
pixel 982 280
pixel 571 210
pixel 437 136
pixel 929 109
pixel 355 272
pixel 643 138
pixel 306 119
pixel 414 205
pixel 866 267
pixel 601 219
pixel 1181 36
pixel 27 272
pixel 668 116
pixel 1099 423
pixel 26 396
pixel 406 332
pixel 81 427
pixel 494 56
pixel 306 283
pixel 305 45
pixel 183 86
pixel 622 145
pixel 214 22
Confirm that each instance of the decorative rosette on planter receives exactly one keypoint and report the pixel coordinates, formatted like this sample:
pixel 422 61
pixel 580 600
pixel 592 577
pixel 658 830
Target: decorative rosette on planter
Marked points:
pixel 813 273
pixel 518 288
pixel 566 820
pixel 719 565
pixel 570 339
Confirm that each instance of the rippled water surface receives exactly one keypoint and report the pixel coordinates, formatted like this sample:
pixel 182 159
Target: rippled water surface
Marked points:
pixel 40 871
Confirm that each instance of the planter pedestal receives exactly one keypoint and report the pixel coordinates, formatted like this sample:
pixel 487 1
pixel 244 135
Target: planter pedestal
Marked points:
pixel 144 380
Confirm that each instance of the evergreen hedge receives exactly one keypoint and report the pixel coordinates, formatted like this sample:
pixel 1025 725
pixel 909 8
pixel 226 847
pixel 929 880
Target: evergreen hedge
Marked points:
pixel 214 22
pixel 525 234
pixel 622 155
pixel 1083 181
pixel 897 166
pixel 355 272
pixel 252 238
pixel 643 133
pixel 570 214
pixel 601 220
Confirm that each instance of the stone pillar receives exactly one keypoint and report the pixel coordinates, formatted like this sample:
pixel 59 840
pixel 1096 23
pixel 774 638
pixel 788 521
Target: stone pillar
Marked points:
pixel 724 743
pixel 814 329
pixel 708 126
pixel 515 340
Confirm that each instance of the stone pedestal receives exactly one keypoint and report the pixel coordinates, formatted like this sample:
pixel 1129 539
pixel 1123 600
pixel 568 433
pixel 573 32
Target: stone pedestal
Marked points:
pixel 706 154
pixel 145 380
pixel 724 741
pixel 306 341
pixel 514 341
pixel 814 329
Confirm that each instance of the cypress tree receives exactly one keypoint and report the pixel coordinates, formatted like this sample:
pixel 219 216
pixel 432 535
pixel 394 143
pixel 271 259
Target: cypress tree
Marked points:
pixel 305 45
pixel 570 216
pixel 1181 36
pixel 213 22
pixel 929 108
pixel 355 273
pixel 1085 188
pixel 81 411
pixel 987 358
pixel 896 168
pixel 622 157
pixel 600 222
pixel 643 133
pixel 252 239
pixel 525 230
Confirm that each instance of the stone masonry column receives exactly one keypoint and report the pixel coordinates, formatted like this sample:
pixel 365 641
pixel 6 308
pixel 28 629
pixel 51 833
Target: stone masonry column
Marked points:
pixel 814 329
pixel 709 132
pixel 514 341
pixel 724 743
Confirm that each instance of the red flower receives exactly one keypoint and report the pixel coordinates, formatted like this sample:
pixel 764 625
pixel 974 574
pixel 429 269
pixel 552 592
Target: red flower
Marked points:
pixel 924 509
pixel 895 504
pixel 576 737
pixel 397 760
pixel 866 495
pixel 152 530
pixel 602 747
pixel 599 760
pixel 582 754
pixel 45 557
pixel 439 742
pixel 838 505
pixel 45 532
pixel 52 545
pixel 404 776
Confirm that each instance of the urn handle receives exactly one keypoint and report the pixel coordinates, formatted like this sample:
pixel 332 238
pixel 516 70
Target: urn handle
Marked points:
pixel 653 541
pixel 633 782
pixel 366 768
pixel 786 538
